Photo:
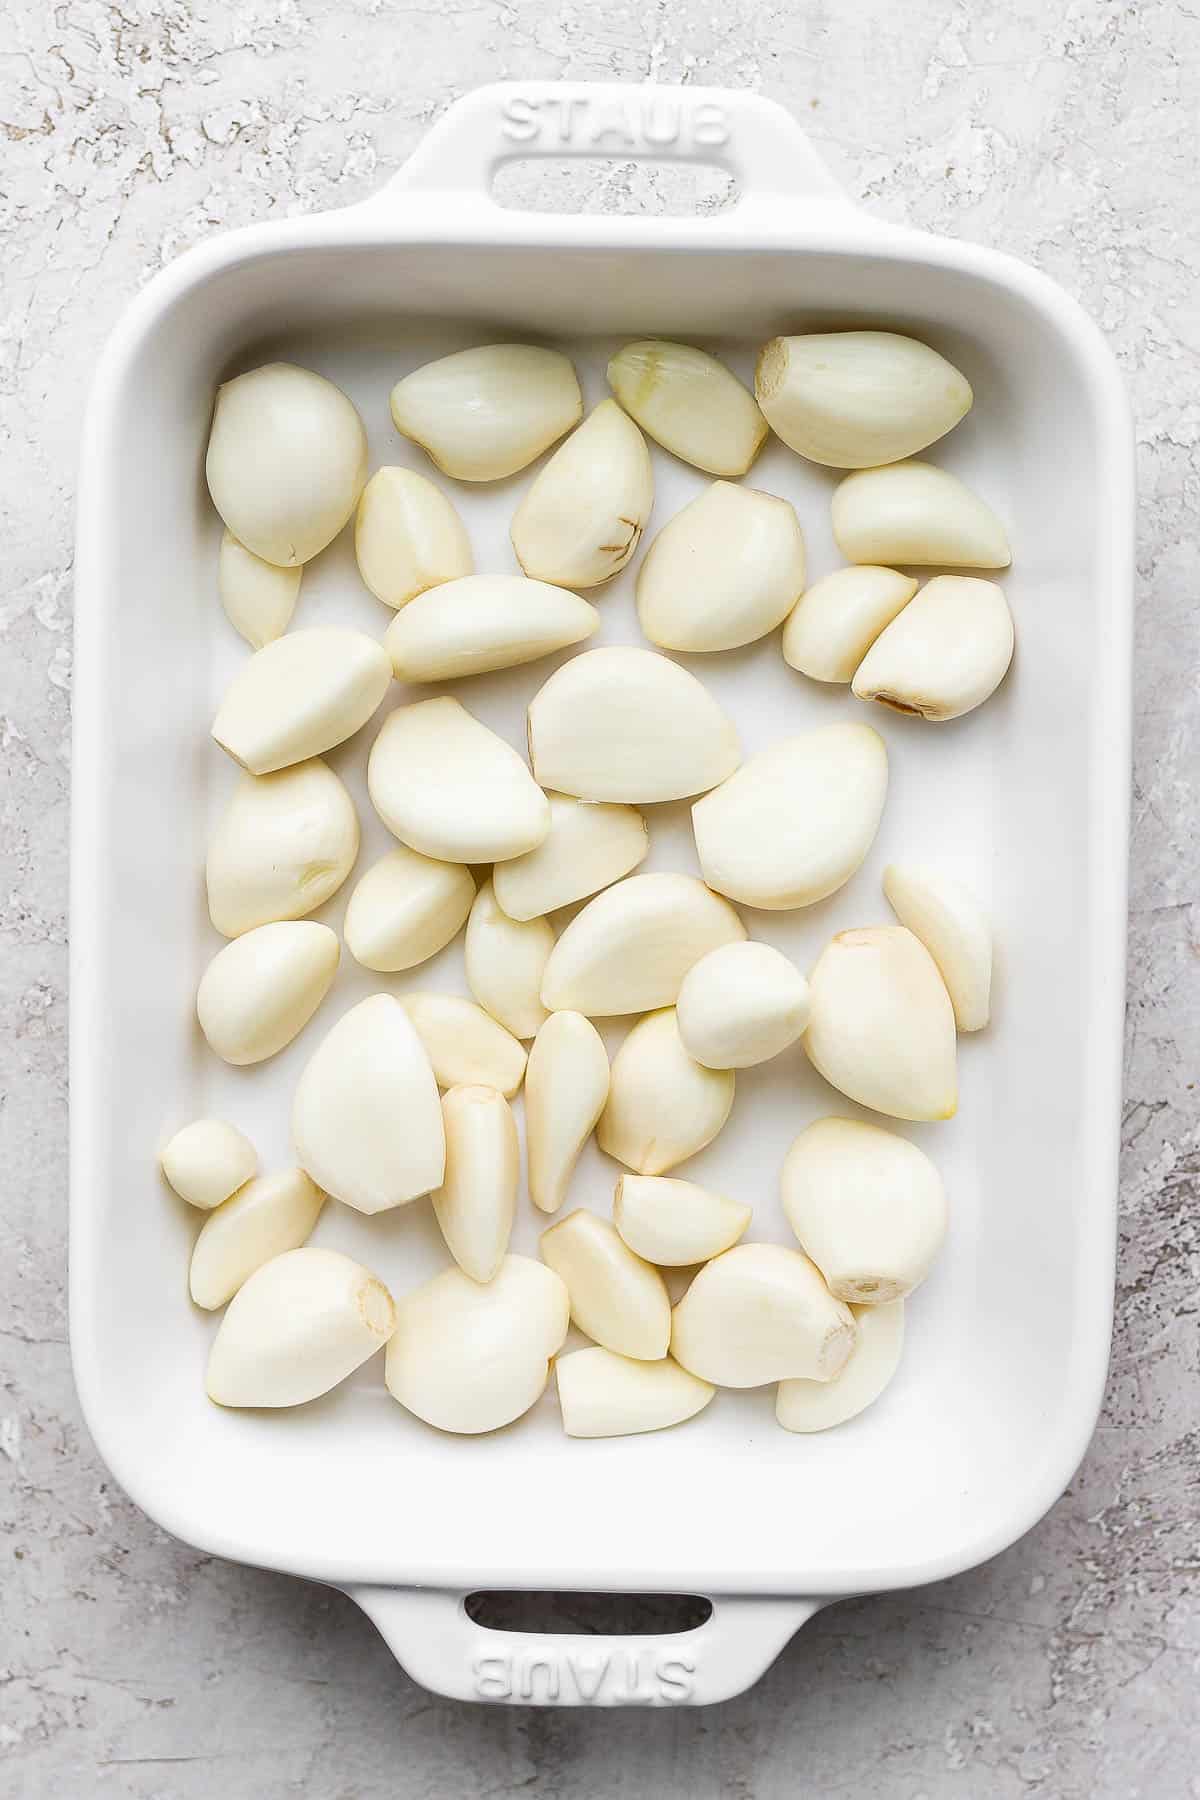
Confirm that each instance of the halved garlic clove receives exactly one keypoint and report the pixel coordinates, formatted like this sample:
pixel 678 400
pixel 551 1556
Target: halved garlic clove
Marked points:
pixel 816 1405
pixel 723 572
pixel 630 948
pixel 406 908
pixel 366 1118
pixel 794 822
pixel 944 654
pixel 450 788
pixel 301 1324
pixel 505 960
pixel 408 537
pixel 301 695
pixel 261 990
pixel 207 1161
pixel 583 518
pixel 954 929
pixel 616 1298
pixel 486 412
pixel 589 846
pixel 662 1106
pixel 476 1203
pixel 465 1045
pixel 761 1313
pixel 258 598
pixel 914 512
pixel 881 1026
pixel 566 1086
pixel 689 403
pixel 836 620
pixel 485 622
pixel 606 1395
pixel 675 1223
pixel 740 1005
pixel 468 1357
pixel 284 846
pixel 269 1216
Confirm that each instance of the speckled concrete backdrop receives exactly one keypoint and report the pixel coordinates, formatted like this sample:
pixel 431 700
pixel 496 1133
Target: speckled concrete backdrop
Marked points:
pixel 1062 132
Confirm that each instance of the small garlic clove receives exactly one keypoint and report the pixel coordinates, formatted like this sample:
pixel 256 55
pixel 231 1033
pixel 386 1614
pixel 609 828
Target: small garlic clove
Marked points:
pixel 583 518
pixel 485 622
pixel 689 403
pixel 505 960
pixel 954 929
pixel 662 1106
pixel 630 948
pixel 616 1298
pixel 476 1203
pixel 566 1086
pixel 408 537
pixel 406 908
pixel 795 822
pixel 301 695
pixel 207 1161
pixel 450 788
pixel 606 1395
pixel 881 1026
pixel 816 1405
pixel 946 653
pixel 301 1324
pixel 465 1045
pixel 914 512
pixel 269 1216
pixel 284 846
pixel 761 1313
pixel 588 847
pixel 723 572
pixel 836 620
pixel 740 1005
pixel 261 990
pixel 484 413
pixel 258 598
pixel 674 1223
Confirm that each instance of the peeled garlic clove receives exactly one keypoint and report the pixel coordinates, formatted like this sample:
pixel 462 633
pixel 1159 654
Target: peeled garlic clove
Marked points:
pixel 605 1395
pixel 673 1223
pixel 944 654
pixel 566 1086
pixel 262 989
pixel 408 537
pixel 795 822
pixel 406 908
pixel 269 1216
pixel 287 459
pixel 726 570
pixel 366 1119
pixel 816 1405
pixel 867 1206
pixel 881 1026
pixel 914 512
pixel 689 403
pixel 485 622
pixel 740 1005
pixel 477 1200
pixel 284 846
pixel 470 1358
pixel 954 929
pixel 583 518
pixel 662 1106
pixel 630 948
pixel 616 1298
pixel 466 1047
pixel 836 620
pixel 853 399
pixel 300 695
pixel 505 960
pixel 450 788
pixel 258 598
pixel 761 1313
pixel 486 412
pixel 207 1161
pixel 301 1324
pixel 588 847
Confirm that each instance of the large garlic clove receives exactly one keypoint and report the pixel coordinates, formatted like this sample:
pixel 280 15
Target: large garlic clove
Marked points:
pixel 476 1203
pixel 588 847
pixel 465 1045
pixel 258 598
pixel 583 518
pixel 287 459
pixel 914 512
pixel 761 1313
pixel 405 909
pixel 301 695
pixel 630 948
pixel 674 1223
pixel 366 1118
pixel 836 620
pixel 261 990
pixel 689 403
pixel 484 413
pixel 606 1395
pixel 816 1405
pixel 269 1216
pixel 726 570
pixel 408 537
pixel 867 1206
pixel 853 399
pixel 285 844
pixel 207 1161
pixel 881 1026
pixel 470 1358
pixel 485 622
pixel 795 822
pixel 662 1106
pixel 954 929
pixel 944 654
pixel 566 1086
pixel 450 788
pixel 505 960
pixel 740 1005
pixel 629 725
pixel 301 1324
pixel 616 1297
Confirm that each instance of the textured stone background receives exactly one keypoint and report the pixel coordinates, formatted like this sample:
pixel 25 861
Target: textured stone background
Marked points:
pixel 132 1667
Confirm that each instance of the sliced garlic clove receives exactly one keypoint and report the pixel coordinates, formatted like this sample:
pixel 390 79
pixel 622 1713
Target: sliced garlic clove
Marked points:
pixel 583 518
pixel 465 1045
pixel 723 572
pixel 794 822
pixel 740 1005
pixel 566 1086
pixel 954 929
pixel 284 845
pixel 881 1026
pixel 366 1119
pixel 675 1223
pixel 301 695
pixel 836 620
pixel 484 413
pixel 914 512
pixel 258 598
pixel 261 990
pixel 944 654
pixel 606 1395
pixel 630 948
pixel 761 1313
pixel 505 960
pixel 476 1203
pixel 269 1216
pixel 405 909
pixel 408 537
pixel 450 788
pixel 485 622
pixel 616 1298
pixel 662 1106
pixel 588 847
pixel 207 1161
pixel 689 403
pixel 816 1405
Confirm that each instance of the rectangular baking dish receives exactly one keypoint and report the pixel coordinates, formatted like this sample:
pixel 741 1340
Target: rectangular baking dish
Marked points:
pixel 1008 1341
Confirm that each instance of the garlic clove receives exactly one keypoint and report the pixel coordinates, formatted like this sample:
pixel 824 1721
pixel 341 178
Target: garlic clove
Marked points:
pixel 836 620
pixel 485 622
pixel 740 1005
pixel 944 654
pixel 505 960
pixel 406 908
pixel 631 946
pixel 258 598
pixel 795 822
pixel 816 1405
pixel 476 1203
pixel 269 1216
pixel 207 1161
pixel 689 403
pixel 484 413
pixel 583 518
pixel 674 1223
pixel 606 1395
pixel 723 572
pixel 914 512
pixel 616 1298
pixel 466 1047
pixel 566 1086
pixel 301 695
pixel 261 990
pixel 761 1313
pixel 881 1026
pixel 662 1106
pixel 954 929
pixel 284 846
pixel 588 847
pixel 408 537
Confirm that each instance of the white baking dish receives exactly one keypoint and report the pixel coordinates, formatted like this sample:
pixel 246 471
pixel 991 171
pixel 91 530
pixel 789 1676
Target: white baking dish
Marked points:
pixel 1008 1341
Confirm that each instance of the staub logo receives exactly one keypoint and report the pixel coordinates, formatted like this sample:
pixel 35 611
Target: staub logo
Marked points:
pixel 639 122
pixel 647 1676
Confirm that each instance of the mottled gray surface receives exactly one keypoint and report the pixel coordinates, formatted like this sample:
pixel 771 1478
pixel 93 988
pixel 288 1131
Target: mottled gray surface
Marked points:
pixel 1064 132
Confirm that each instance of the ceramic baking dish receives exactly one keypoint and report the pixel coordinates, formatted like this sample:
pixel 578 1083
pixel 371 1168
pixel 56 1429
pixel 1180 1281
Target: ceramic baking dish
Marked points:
pixel 1008 1341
